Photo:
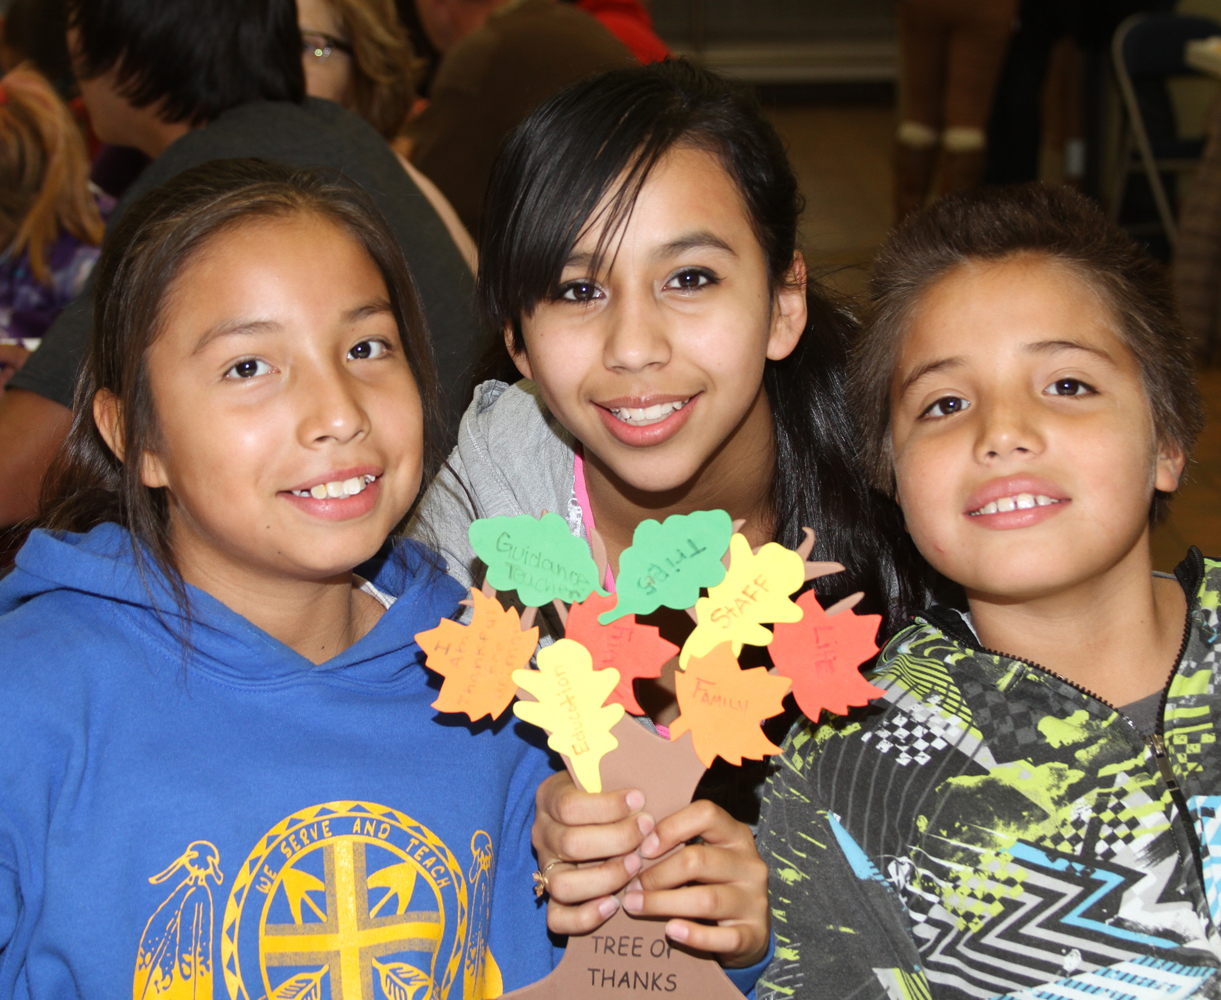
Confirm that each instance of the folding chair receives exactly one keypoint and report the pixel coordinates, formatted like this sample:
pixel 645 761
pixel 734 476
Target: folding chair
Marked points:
pixel 1148 50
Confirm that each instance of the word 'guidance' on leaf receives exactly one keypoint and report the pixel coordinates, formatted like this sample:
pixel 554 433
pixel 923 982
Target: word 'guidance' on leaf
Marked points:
pixel 540 559
pixel 823 655
pixel 668 563
pixel 478 660
pixel 722 706
pixel 633 649
pixel 755 590
pixel 570 707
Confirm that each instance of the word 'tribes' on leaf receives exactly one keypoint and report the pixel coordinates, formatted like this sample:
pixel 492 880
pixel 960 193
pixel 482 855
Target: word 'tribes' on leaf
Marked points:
pixel 539 558
pixel 823 655
pixel 668 563
pixel 755 590
pixel 722 706
pixel 632 649
pixel 478 660
pixel 570 707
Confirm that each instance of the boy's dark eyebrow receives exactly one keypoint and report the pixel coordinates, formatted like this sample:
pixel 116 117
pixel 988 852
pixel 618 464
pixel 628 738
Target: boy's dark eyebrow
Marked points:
pixel 927 369
pixel 1049 346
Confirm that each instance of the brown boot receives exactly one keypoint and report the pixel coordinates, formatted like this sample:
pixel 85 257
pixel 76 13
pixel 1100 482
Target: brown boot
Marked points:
pixel 962 171
pixel 913 177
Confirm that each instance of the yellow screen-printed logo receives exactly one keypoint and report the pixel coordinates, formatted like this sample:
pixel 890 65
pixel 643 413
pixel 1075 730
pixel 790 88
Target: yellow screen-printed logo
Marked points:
pixel 343 900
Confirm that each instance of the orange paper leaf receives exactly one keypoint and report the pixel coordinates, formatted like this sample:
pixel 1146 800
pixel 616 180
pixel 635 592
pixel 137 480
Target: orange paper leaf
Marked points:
pixel 478 660
pixel 722 706
pixel 823 657
pixel 634 650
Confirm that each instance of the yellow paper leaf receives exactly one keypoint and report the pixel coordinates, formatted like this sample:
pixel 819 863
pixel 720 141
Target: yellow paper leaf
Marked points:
pixel 755 590
pixel 570 707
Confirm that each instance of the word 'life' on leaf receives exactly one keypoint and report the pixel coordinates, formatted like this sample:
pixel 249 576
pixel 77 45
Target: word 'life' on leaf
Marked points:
pixel 570 707
pixel 823 655
pixel 632 649
pixel 722 706
pixel 667 564
pixel 540 559
pixel 755 590
pixel 478 660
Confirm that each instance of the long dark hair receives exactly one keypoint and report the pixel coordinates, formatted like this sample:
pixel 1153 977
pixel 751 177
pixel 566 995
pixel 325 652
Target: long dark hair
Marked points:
pixel 604 135
pixel 141 257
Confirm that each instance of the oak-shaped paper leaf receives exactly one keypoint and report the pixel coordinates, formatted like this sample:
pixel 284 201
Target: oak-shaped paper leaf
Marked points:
pixel 478 660
pixel 823 656
pixel 633 649
pixel 755 590
pixel 668 563
pixel 570 706
pixel 539 558
pixel 723 706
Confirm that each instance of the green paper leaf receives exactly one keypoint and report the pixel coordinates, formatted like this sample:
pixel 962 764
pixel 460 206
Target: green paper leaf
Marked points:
pixel 540 559
pixel 668 563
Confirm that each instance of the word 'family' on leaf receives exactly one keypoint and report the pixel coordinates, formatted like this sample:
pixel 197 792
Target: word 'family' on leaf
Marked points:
pixel 633 649
pixel 755 590
pixel 478 660
pixel 570 707
pixel 823 654
pixel 668 564
pixel 723 706
pixel 539 558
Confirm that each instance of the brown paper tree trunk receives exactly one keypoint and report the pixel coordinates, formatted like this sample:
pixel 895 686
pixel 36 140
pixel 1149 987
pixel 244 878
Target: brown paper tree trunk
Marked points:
pixel 630 957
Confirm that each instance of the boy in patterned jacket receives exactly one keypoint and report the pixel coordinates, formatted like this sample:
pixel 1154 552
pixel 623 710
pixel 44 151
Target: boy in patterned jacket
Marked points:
pixel 1031 807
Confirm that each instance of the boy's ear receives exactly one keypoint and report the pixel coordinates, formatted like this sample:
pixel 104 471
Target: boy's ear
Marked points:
pixel 520 358
pixel 108 416
pixel 1170 463
pixel 789 312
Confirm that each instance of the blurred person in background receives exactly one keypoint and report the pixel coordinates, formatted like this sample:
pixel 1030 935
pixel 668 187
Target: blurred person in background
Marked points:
pixel 631 23
pixel 202 82
pixel 356 53
pixel 51 221
pixel 950 56
pixel 500 60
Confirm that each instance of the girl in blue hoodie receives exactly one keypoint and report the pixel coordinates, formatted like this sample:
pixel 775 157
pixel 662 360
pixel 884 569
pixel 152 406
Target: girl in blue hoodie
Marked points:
pixel 219 771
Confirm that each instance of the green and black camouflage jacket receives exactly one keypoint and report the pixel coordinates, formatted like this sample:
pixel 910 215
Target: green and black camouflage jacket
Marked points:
pixel 988 829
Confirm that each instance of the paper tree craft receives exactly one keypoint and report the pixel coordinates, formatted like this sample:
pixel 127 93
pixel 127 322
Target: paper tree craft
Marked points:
pixel 583 685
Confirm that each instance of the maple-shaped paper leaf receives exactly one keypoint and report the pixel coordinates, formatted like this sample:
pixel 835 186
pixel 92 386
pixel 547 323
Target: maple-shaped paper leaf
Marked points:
pixel 823 656
pixel 478 660
pixel 570 707
pixel 755 590
pixel 633 649
pixel 722 706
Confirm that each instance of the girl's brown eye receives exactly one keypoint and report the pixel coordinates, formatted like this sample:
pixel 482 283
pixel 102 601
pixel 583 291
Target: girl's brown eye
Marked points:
pixel 248 368
pixel 946 406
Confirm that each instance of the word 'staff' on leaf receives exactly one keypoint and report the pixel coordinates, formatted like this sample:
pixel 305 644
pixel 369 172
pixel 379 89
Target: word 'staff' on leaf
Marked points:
pixel 722 706
pixel 668 563
pixel 823 655
pixel 570 707
pixel 478 660
pixel 755 590
pixel 632 649
pixel 540 559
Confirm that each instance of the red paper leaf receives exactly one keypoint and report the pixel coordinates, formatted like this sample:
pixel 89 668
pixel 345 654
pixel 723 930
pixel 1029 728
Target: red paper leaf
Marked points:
pixel 634 650
pixel 823 657
pixel 478 660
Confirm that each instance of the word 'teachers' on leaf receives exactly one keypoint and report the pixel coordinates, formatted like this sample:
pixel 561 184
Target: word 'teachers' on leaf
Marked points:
pixel 538 558
pixel 668 563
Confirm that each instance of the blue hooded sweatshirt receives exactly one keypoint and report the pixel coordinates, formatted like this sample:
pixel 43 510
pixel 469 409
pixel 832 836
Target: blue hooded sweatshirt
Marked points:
pixel 236 821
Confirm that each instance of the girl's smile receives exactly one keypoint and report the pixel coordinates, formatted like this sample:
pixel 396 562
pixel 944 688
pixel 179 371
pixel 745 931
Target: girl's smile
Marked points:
pixel 656 362
pixel 291 421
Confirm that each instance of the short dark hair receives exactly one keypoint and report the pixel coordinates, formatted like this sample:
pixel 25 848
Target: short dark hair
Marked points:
pixel 149 247
pixel 1054 223
pixel 552 174
pixel 198 59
